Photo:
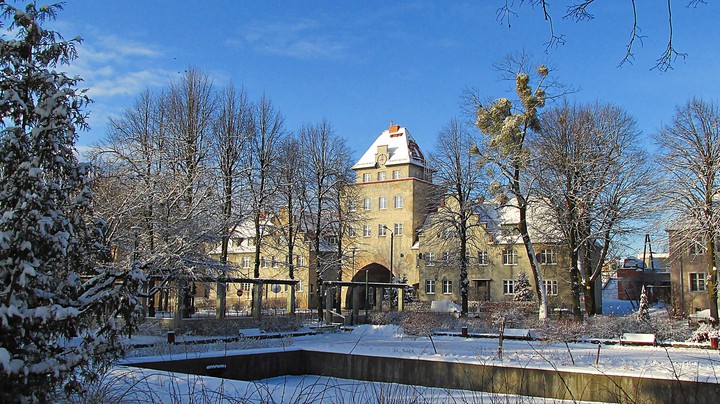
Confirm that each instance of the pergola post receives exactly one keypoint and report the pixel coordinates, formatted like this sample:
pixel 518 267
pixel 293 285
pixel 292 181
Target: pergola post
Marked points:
pixel 291 301
pixel 379 292
pixel 257 300
pixel 221 300
pixel 401 298
pixel 329 294
pixel 356 302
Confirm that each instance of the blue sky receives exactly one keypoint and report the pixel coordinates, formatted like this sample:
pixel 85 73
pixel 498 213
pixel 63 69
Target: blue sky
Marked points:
pixel 362 64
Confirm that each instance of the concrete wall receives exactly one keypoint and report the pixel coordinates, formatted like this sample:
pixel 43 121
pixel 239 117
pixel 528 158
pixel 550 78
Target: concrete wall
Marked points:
pixel 478 377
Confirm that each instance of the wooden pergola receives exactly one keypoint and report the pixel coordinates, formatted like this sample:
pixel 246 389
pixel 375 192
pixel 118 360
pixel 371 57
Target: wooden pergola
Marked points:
pixel 258 285
pixel 357 291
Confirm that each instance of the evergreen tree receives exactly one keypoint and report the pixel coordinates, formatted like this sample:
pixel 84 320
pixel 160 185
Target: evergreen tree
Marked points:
pixel 52 289
pixel 523 292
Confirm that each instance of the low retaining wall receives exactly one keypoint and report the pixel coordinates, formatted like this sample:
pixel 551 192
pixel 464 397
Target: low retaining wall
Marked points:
pixel 453 375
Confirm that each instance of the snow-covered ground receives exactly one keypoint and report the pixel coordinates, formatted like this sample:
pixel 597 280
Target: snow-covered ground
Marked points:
pixel 694 364
pixel 390 341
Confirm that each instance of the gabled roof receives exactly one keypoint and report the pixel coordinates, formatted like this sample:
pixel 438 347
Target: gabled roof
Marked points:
pixel 402 149
pixel 501 219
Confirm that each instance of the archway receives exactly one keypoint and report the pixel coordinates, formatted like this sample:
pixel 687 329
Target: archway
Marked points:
pixel 371 273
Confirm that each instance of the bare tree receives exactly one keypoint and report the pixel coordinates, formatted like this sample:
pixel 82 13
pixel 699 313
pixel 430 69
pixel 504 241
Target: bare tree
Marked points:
pixel 461 184
pixel 158 151
pixel 590 173
pixel 579 11
pixel 259 157
pixel 327 160
pixel 191 107
pixel 690 154
pixel 290 178
pixel 230 132
pixel 508 125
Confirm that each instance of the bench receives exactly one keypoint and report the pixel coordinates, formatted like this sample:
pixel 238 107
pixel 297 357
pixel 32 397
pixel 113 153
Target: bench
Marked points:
pixel 632 338
pixel 519 333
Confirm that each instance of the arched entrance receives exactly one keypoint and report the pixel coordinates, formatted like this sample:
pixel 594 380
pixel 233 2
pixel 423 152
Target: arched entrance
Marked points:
pixel 371 273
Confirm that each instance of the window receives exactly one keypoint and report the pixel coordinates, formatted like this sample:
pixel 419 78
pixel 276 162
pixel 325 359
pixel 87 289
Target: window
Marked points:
pixel 509 286
pixel 429 259
pixel 551 286
pixel 697 282
pixel 367 177
pixel 367 204
pixel 509 256
pixel 275 262
pixel 398 229
pixel 447 287
pixel 263 262
pixel 381 230
pixel 246 262
pixel 367 230
pixel 332 240
pixel 547 257
pixel 446 257
pixel 483 258
pixel 245 286
pixel 298 286
pixel 398 201
pixel 352 205
pixel 351 231
pixel 396 174
pixel 382 202
pixel 381 176
pixel 429 287
pixel 300 261
pixel 697 248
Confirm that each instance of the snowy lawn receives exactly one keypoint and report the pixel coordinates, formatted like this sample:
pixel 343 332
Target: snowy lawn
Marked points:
pixel 694 364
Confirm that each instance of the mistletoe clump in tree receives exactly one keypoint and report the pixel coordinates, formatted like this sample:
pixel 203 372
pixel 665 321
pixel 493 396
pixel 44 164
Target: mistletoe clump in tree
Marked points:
pixel 52 288
pixel 508 125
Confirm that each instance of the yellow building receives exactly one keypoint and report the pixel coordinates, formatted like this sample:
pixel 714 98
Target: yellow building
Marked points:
pixel 393 237
pixel 398 238
pixel 274 264
pixel 391 190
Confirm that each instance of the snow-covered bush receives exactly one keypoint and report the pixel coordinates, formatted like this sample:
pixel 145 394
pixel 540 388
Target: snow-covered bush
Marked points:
pixel 703 333
pixel 60 293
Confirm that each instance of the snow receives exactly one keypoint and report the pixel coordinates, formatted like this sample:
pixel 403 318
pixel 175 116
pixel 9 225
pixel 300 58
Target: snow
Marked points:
pixel 154 386
pixel 401 147
pixel 4 359
pixel 611 304
pixel 696 364
pixel 444 306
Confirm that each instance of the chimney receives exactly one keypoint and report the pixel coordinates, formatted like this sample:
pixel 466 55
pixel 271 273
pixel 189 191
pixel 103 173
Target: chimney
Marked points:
pixel 394 128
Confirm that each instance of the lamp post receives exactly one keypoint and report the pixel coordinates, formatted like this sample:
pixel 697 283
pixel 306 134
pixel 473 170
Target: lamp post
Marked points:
pixel 392 247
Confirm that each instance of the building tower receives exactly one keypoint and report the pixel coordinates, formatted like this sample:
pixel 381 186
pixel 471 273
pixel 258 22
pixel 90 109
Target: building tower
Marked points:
pixel 391 190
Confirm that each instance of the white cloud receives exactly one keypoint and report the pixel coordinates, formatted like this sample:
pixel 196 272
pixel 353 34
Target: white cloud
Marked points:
pixel 113 66
pixel 301 40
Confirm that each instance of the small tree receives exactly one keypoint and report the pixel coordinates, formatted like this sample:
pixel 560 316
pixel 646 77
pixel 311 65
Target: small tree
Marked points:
pixel 523 292
pixel 644 306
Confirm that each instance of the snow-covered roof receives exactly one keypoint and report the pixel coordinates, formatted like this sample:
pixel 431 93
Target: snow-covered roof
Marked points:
pixel 402 149
pixel 501 220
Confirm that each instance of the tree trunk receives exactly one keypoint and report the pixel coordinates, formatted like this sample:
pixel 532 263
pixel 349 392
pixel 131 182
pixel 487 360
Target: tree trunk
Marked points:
pixel 712 281
pixel 539 289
